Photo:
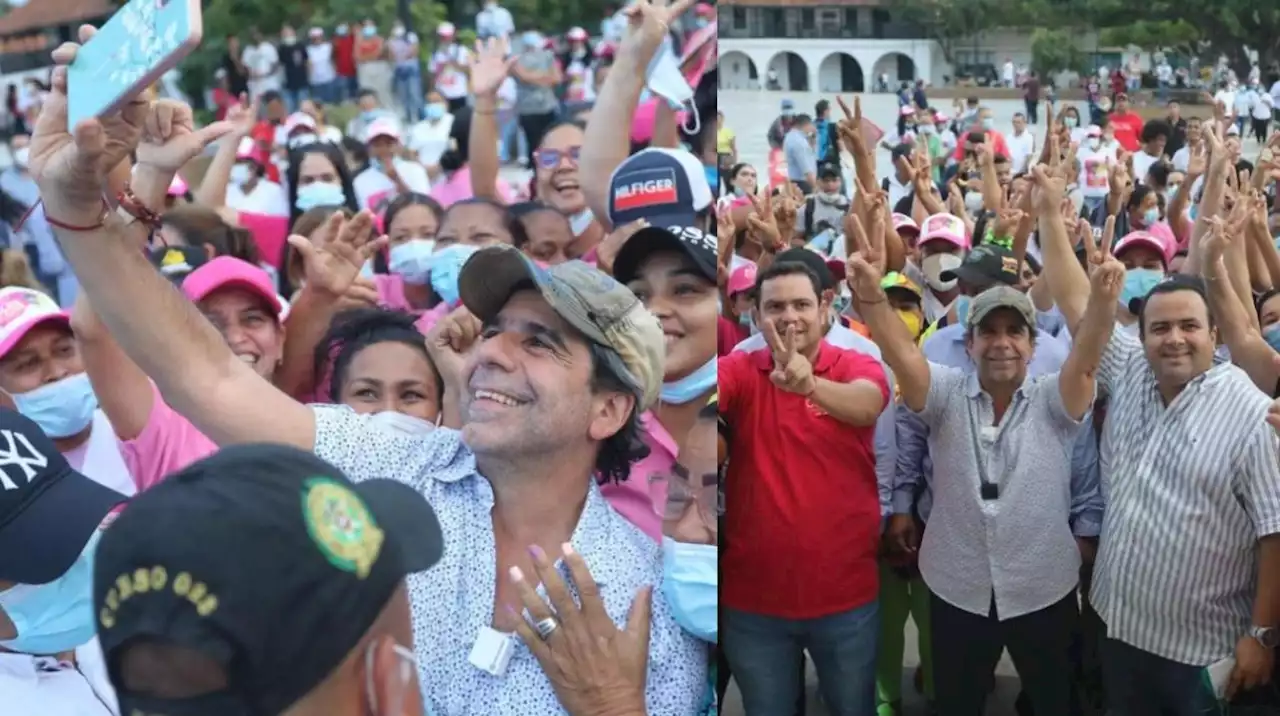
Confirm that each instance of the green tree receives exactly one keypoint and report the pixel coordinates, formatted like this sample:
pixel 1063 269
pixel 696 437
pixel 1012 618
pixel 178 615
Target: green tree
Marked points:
pixel 959 24
pixel 1054 51
pixel 1223 27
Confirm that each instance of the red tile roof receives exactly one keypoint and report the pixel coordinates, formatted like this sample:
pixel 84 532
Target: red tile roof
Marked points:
pixel 41 14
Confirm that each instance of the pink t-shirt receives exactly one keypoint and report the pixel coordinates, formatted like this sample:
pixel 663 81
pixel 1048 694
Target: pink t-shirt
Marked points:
pixel 458 187
pixel 633 498
pixel 168 443
pixel 269 232
pixel 391 295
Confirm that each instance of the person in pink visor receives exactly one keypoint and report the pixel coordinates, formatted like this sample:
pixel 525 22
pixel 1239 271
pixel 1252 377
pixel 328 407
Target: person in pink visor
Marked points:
pixel 1146 256
pixel 42 376
pixel 179 193
pixel 943 243
pixel 155 441
pixel 735 324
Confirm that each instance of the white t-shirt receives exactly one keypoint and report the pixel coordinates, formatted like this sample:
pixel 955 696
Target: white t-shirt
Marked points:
pixel 1262 105
pixel 1245 101
pixel 1164 73
pixel 320 68
pixel 1275 93
pixel 1227 99
pixel 451 82
pixel 1182 159
pixel 1021 147
pixel 1142 164
pixel 371 185
pixel 1095 167
pixel 507 94
pixel 262 61
pixel 430 140
pixel 1007 73
pixel 267 199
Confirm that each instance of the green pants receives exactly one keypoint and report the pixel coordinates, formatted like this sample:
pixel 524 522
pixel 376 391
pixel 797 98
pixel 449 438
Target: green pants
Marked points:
pixel 900 598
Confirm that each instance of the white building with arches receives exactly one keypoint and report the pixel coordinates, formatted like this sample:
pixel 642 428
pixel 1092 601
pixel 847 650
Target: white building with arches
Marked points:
pixel 826 65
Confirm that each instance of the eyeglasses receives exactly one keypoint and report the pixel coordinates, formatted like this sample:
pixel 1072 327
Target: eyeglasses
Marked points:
pixel 671 494
pixel 550 158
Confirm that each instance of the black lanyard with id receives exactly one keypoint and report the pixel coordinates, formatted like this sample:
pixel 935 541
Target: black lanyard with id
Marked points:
pixel 987 489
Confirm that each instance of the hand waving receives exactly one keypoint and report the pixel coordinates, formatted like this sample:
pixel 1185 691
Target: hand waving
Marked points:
pixel 169 137
pixel 332 260
pixel 792 372
pixel 593 666
pixel 70 169
pixel 491 66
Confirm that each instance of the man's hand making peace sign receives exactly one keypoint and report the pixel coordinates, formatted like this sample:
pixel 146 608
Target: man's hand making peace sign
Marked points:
pixel 792 372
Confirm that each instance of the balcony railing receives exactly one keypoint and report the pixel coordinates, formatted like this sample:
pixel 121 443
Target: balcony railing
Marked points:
pixel 882 31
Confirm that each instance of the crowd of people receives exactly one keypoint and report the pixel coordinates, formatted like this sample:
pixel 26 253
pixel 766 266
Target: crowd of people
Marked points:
pixel 1019 386
pixel 348 425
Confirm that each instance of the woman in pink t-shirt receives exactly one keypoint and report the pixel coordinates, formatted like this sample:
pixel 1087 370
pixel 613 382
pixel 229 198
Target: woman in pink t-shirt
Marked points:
pixel 375 360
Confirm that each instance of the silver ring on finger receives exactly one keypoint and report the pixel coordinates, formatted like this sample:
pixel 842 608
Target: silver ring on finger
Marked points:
pixel 544 627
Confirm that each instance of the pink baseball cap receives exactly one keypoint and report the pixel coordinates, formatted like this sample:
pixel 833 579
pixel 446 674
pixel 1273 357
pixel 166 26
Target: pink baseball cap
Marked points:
pixel 231 272
pixel 944 227
pixel 1163 245
pixel 742 279
pixel 576 34
pixel 178 187
pixel 381 128
pixel 446 29
pixel 298 120
pixel 22 309
pixel 907 110
pixel 902 221
pixel 247 149
pixel 1093 130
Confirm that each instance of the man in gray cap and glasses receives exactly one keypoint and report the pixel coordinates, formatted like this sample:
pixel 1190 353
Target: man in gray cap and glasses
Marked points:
pixel 999 556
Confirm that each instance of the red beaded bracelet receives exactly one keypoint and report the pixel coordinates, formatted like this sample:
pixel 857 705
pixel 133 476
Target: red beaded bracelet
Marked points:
pixel 102 220
pixel 134 206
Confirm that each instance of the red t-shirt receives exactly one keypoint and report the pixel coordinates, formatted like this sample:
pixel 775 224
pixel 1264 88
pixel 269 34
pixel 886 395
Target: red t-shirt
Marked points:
pixel 728 335
pixel 264 133
pixel 994 139
pixel 802 512
pixel 1128 127
pixel 344 55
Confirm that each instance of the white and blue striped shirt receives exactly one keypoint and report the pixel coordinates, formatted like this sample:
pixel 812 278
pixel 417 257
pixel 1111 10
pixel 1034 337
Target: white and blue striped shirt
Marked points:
pixel 1189 490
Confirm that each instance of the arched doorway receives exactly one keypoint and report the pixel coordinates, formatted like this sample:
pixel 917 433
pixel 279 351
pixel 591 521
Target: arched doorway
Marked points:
pixel 791 71
pixel 898 66
pixel 840 72
pixel 737 71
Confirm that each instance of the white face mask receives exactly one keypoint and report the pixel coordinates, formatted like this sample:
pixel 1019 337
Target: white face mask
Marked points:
pixel 407 424
pixel 933 267
pixel 581 221
pixel 241 174
pixel 973 202
pixel 21 157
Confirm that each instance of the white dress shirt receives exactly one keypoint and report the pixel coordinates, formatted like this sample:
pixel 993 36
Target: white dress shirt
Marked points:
pixel 44 686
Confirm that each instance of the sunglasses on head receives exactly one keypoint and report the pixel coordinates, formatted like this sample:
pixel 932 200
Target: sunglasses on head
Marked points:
pixel 550 158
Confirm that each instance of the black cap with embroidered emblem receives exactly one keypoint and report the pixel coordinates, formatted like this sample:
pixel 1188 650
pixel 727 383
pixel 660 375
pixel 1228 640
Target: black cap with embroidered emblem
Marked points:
pixel 175 262
pixel 263 559
pixel 985 266
pixel 48 511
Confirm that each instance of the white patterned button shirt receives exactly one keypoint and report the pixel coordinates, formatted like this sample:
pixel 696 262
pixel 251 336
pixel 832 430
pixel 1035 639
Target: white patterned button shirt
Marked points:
pixel 453 600
pixel 1189 488
pixel 1019 546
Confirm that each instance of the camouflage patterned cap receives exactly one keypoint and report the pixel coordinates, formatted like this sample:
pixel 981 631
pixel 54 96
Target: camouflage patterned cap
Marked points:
pixel 997 297
pixel 602 309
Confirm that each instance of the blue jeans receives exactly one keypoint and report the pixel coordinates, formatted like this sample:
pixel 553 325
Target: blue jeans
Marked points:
pixel 406 83
pixel 765 654
pixel 293 98
pixel 513 144
pixel 327 92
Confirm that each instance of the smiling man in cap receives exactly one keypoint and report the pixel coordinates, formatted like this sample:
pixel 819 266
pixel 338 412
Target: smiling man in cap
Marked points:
pixel 51 518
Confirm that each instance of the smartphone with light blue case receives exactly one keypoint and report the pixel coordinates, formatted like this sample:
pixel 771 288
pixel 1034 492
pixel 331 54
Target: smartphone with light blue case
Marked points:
pixel 141 42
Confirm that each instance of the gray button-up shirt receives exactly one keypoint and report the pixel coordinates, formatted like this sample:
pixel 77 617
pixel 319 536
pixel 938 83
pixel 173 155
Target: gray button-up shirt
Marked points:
pixel 1020 545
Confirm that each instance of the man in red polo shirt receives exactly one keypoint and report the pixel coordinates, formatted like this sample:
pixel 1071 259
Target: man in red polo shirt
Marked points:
pixel 802 518
pixel 1127 125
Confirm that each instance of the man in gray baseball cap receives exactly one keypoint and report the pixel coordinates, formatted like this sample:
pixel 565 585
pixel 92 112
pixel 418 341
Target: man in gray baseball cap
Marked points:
pixel 1000 297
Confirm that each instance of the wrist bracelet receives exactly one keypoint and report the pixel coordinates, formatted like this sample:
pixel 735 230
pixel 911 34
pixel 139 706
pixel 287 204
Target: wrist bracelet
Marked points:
pixel 102 219
pixel 871 302
pixel 135 208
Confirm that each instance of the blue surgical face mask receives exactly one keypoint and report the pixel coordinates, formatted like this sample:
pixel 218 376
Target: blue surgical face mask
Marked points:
pixel 531 40
pixel 435 111
pixel 412 260
pixel 688 388
pixel 689 582
pixel 962 309
pixel 370 114
pixel 1150 217
pixel 988 123
pixel 61 409
pixel 739 191
pixel 319 193
pixel 1070 121
pixel 581 221
pixel 446 267
pixel 1137 284
pixel 55 617
pixel 664 78
pixel 369 31
pixel 1271 334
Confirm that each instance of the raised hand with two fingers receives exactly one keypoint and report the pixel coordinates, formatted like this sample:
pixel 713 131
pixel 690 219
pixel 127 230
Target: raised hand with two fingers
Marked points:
pixel 792 371
pixel 170 139
pixel 762 224
pixel 1107 279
